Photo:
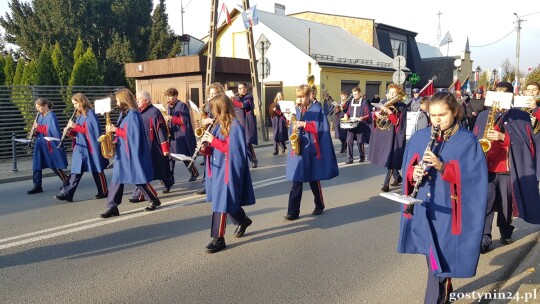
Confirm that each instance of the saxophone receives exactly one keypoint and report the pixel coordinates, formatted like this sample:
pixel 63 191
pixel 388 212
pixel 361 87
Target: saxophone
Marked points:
pixel 294 137
pixel 107 143
pixel 485 143
pixel 535 123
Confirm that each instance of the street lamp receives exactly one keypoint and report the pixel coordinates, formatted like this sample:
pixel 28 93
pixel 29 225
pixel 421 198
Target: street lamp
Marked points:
pixel 493 75
pixel 477 78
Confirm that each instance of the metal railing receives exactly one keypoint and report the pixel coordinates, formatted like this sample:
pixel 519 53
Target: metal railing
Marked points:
pixel 17 111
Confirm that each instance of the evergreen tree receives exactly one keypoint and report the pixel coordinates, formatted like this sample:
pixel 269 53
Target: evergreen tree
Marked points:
pixel 17 78
pixel 29 76
pixel 78 51
pixel 176 49
pixel 46 75
pixel 118 54
pixel 86 71
pixel 61 65
pixel 534 75
pixel 161 36
pixel 2 65
pixel 9 69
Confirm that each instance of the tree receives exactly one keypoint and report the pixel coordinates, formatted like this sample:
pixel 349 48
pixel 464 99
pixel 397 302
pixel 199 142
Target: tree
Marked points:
pixel 176 48
pixel 2 65
pixel 45 73
pixel 118 54
pixel 534 75
pixel 78 51
pixel 161 36
pixel 29 76
pixel 9 69
pixel 61 65
pixel 17 78
pixel 86 71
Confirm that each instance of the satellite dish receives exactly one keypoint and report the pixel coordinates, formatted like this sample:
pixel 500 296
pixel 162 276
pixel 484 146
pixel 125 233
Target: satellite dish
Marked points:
pixel 399 63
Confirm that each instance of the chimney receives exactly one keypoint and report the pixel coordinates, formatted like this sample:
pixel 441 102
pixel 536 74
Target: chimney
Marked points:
pixel 279 9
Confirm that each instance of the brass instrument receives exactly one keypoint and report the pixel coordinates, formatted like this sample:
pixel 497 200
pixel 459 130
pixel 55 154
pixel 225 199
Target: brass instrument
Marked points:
pixel 431 145
pixel 294 137
pixel 200 144
pixel 108 147
pixel 167 124
pixel 32 130
pixel 66 130
pixel 535 123
pixel 383 121
pixel 485 143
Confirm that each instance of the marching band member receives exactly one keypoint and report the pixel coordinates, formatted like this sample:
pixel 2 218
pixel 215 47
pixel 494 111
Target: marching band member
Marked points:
pixel 386 146
pixel 228 180
pixel 86 150
pixel 316 160
pixel 244 106
pixel 422 120
pixel 182 133
pixel 131 160
pixel 158 143
pixel 447 226
pixel 46 153
pixel 511 170
pixel 279 125
pixel 414 104
pixel 533 89
pixel 340 111
pixel 358 109
pixel 474 107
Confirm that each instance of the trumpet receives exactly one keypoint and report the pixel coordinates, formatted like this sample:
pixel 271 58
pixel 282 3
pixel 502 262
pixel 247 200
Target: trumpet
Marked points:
pixel 66 130
pixel 200 145
pixel 32 130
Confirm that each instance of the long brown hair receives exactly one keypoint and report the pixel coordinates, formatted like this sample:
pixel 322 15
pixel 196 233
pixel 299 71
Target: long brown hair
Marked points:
pixel 450 100
pixel 126 99
pixel 82 100
pixel 223 110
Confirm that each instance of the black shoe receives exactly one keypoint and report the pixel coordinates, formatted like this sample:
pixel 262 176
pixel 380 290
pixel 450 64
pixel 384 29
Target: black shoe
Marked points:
pixel 362 159
pixel 484 248
pixel 342 151
pixel 241 229
pixel 275 152
pixel 36 189
pixel 216 245
pixel 166 190
pixel 101 195
pixel 349 161
pixel 193 177
pixel 201 192
pixel 113 211
pixel 63 197
pixel 284 150
pixel 153 205
pixel 254 164
pixel 318 211
pixel 397 182
pixel 136 200
pixel 385 188
pixel 506 241
pixel 290 217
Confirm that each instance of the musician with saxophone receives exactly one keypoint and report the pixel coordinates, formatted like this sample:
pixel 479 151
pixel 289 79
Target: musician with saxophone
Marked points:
pixel 182 133
pixel 339 112
pixel 533 90
pixel 388 136
pixel 359 111
pixel 279 124
pixel 47 154
pixel 228 180
pixel 86 156
pixel 447 226
pixel 313 159
pixel 507 139
pixel 131 160
pixel 157 140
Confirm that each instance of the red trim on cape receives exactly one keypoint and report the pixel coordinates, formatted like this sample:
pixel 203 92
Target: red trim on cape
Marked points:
pixel 452 174
pixel 409 182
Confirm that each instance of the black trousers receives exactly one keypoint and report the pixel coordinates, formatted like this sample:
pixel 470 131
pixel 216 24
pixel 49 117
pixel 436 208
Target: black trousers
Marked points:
pixel 117 190
pixel 351 137
pixel 251 153
pixel 499 200
pixel 219 221
pixel 295 197
pixel 390 172
pixel 172 163
pixel 281 143
pixel 37 176
pixel 75 178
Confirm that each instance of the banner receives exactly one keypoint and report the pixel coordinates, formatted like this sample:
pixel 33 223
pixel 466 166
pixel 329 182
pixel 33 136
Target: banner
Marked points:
pixel 250 17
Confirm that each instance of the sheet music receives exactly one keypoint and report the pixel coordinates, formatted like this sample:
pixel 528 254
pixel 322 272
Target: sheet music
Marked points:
pixel 22 140
pixel 102 106
pixel 404 199
pixel 522 101
pixel 504 99
pixel 48 138
pixel 285 105
pixel 160 107
pixel 180 157
pixel 377 105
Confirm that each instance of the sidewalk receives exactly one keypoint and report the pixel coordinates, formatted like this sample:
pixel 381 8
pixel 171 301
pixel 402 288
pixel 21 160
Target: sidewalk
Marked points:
pixel 529 272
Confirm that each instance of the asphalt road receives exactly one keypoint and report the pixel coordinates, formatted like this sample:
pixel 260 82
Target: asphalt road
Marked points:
pixel 59 252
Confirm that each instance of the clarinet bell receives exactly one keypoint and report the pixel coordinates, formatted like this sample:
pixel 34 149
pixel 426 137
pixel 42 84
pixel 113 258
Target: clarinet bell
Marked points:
pixel 409 210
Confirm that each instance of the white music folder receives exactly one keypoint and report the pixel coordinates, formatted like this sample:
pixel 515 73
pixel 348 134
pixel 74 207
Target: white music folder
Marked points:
pixel 404 199
pixel 180 157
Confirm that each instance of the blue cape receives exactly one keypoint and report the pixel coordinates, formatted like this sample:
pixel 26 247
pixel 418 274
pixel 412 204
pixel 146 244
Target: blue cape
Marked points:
pixel 386 146
pixel 156 133
pixel 46 153
pixel 447 227
pixel 182 137
pixel 317 160
pixel 87 150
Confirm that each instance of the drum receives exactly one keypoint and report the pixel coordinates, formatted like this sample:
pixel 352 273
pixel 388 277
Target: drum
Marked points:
pixel 348 124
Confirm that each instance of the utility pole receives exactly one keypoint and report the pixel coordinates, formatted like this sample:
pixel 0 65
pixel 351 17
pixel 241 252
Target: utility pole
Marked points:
pixel 439 30
pixel 211 59
pixel 518 29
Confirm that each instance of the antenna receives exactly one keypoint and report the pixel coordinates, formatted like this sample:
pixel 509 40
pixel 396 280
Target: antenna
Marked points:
pixel 439 29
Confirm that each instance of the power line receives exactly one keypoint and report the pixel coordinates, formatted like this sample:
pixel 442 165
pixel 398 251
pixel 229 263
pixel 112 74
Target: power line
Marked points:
pixel 494 41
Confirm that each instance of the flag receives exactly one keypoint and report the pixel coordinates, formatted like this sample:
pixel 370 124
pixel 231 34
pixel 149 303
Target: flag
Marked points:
pixel 428 89
pixel 250 17
pixel 447 39
pixel 466 86
pixel 226 11
pixel 457 86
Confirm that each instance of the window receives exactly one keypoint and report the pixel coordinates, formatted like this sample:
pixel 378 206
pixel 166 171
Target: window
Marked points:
pixel 398 47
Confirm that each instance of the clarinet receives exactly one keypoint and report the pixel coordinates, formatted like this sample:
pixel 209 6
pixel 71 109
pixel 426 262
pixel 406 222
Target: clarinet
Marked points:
pixel 200 144
pixel 31 133
pixel 66 130
pixel 431 145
